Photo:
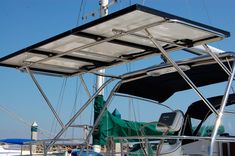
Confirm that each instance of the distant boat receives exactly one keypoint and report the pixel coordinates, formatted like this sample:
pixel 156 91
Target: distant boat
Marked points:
pixel 10 147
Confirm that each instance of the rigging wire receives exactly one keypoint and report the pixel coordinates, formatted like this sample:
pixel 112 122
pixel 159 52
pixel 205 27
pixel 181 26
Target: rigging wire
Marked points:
pixel 91 115
pixel 206 10
pixel 21 120
pixel 209 18
pixel 131 104
pixel 84 7
pixel 188 8
pixel 54 124
pixel 143 1
pixel 128 69
pixel 78 87
pixel 79 13
pixel 218 43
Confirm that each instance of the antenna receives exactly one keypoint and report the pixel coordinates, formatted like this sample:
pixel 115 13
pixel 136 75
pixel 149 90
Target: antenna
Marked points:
pixel 104 5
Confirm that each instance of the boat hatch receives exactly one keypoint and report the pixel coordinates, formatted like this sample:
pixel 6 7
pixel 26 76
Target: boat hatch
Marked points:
pixel 165 81
pixel 117 38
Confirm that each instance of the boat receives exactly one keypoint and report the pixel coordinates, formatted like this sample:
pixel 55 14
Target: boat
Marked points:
pixel 132 34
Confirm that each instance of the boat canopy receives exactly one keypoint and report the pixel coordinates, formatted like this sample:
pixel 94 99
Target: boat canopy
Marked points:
pixel 205 112
pixel 15 141
pixel 117 38
pixel 199 106
pixel 161 82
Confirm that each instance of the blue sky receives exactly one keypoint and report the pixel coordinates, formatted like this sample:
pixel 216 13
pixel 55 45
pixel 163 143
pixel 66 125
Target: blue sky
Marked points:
pixel 25 22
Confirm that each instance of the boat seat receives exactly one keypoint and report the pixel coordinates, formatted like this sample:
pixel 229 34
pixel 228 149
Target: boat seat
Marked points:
pixel 171 121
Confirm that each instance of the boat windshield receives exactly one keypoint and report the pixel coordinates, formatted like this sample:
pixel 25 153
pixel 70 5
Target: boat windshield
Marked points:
pixel 201 124
pixel 226 128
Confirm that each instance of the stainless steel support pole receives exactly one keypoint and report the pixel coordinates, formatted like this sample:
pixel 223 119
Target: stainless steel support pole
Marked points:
pixel 85 86
pixel 146 147
pixel 21 150
pixel 45 97
pixel 30 146
pixel 79 112
pixel 112 146
pixel 121 144
pixel 221 111
pixel 181 72
pixel 216 58
pixel 219 139
pixel 100 115
pixel 44 149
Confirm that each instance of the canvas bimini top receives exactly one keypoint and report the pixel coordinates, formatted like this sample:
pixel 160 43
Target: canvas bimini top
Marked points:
pixel 117 38
pixel 160 82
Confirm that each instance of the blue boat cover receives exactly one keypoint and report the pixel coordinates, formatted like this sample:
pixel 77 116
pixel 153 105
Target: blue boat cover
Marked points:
pixel 15 141
pixel 85 153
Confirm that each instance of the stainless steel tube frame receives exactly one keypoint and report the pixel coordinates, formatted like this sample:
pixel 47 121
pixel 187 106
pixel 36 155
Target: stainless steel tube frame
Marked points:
pixel 97 42
pixel 100 115
pixel 219 139
pixel 221 111
pixel 181 72
pixel 216 58
pixel 85 86
pixel 45 97
pixel 79 112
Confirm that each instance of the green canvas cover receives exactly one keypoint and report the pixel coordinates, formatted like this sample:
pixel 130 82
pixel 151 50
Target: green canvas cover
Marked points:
pixel 111 125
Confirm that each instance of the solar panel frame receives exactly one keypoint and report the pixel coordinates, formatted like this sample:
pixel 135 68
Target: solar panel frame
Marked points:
pixel 99 55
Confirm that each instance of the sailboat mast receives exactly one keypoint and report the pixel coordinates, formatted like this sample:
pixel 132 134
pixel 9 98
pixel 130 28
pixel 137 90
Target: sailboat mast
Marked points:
pixel 100 79
pixel 103 12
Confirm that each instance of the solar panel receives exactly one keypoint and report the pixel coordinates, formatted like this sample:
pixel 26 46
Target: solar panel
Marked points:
pixel 117 38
